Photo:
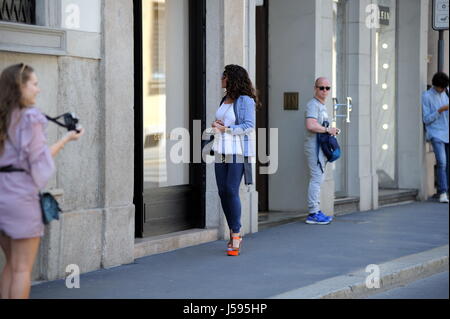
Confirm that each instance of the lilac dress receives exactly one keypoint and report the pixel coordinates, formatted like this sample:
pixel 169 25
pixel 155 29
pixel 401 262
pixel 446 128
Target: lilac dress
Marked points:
pixel 26 148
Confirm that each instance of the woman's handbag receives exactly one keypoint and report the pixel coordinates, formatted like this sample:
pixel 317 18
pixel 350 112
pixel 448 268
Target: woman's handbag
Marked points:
pixel 50 207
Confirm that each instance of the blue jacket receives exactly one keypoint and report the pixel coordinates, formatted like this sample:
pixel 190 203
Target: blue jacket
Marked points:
pixel 244 109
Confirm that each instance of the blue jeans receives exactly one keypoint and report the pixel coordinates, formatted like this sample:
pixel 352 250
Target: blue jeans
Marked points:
pixel 228 178
pixel 441 151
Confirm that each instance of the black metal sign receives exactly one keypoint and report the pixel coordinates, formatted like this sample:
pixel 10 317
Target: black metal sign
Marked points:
pixel 385 15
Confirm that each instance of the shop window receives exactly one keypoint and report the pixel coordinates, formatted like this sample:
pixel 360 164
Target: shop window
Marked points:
pixel 385 95
pixel 18 11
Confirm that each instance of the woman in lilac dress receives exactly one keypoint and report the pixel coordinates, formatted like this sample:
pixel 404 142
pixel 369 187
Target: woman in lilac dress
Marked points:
pixel 26 165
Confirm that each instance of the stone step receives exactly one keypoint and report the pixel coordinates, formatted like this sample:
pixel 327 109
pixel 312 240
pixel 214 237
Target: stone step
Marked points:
pixel 275 218
pixel 396 196
pixel 165 243
pixel 386 197
pixel 346 205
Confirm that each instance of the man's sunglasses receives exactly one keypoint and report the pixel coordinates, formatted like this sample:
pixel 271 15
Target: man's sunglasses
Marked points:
pixel 322 88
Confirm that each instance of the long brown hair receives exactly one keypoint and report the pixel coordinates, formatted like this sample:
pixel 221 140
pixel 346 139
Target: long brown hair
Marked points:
pixel 11 80
pixel 239 83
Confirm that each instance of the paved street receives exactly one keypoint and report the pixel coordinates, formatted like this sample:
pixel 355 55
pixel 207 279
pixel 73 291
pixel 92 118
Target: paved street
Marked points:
pixel 433 287
pixel 273 261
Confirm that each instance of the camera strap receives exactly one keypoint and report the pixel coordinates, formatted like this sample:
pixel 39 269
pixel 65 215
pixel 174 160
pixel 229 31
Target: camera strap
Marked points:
pixel 55 120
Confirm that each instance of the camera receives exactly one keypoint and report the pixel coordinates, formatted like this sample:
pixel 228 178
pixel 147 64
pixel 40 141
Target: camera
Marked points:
pixel 71 122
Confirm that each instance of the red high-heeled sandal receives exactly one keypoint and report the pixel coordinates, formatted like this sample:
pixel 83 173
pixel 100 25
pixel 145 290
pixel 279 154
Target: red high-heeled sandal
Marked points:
pixel 235 250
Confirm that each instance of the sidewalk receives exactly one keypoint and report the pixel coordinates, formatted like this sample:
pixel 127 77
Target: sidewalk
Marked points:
pixel 274 261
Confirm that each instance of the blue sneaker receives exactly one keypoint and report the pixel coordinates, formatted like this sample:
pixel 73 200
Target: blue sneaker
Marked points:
pixel 318 219
pixel 323 215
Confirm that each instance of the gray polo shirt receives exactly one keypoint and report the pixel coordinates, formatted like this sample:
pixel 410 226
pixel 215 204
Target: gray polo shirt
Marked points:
pixel 316 110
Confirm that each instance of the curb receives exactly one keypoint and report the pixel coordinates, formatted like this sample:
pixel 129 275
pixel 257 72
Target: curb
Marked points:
pixel 396 272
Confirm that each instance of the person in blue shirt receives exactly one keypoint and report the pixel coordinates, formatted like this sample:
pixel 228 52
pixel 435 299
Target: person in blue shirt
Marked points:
pixel 435 118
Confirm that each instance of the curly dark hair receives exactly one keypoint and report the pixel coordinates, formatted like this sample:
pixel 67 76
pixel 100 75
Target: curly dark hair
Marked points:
pixel 440 80
pixel 239 83
pixel 11 80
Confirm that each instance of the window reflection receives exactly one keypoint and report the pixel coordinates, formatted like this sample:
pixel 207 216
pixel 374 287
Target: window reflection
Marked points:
pixel 154 113
pixel 165 90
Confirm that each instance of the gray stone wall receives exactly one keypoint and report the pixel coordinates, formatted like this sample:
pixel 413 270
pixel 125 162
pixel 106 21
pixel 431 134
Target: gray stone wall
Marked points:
pixel 94 179
pixel 117 90
pixel 294 58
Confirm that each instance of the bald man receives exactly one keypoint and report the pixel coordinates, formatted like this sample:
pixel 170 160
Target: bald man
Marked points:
pixel 316 114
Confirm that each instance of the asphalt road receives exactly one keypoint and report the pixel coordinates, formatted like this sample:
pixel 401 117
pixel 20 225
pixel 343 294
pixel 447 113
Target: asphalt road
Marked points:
pixel 433 287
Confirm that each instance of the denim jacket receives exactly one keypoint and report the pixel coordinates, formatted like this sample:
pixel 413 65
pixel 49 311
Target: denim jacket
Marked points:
pixel 244 109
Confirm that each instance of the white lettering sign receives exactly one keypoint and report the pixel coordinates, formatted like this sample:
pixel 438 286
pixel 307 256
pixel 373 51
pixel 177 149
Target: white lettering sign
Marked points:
pixel 72 20
pixel 373 19
pixel 73 279
pixel 373 280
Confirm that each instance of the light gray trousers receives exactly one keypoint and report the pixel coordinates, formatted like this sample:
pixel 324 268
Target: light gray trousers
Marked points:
pixel 316 179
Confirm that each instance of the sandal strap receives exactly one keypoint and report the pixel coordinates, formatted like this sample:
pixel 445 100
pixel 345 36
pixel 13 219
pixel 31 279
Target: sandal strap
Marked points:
pixel 239 239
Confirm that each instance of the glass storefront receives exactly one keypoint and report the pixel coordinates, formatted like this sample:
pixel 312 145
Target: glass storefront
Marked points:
pixel 165 90
pixel 171 198
pixel 385 95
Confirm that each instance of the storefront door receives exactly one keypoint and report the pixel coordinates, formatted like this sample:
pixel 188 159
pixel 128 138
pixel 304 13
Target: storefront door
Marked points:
pixel 170 190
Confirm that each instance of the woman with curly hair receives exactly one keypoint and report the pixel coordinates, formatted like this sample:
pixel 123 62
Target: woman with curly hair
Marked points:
pixel 234 124
pixel 26 165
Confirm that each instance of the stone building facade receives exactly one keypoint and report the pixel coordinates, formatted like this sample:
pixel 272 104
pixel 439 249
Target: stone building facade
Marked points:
pixel 93 58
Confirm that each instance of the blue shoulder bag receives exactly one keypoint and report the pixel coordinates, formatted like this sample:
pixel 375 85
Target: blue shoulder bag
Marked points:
pixel 329 145
pixel 50 207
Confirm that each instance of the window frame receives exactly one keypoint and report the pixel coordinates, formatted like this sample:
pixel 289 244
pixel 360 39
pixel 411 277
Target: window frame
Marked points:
pixel 48 37
pixel 48 13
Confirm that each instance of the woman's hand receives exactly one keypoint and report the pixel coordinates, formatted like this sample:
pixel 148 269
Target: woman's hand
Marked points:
pixel 74 135
pixel 70 136
pixel 219 126
pixel 217 122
